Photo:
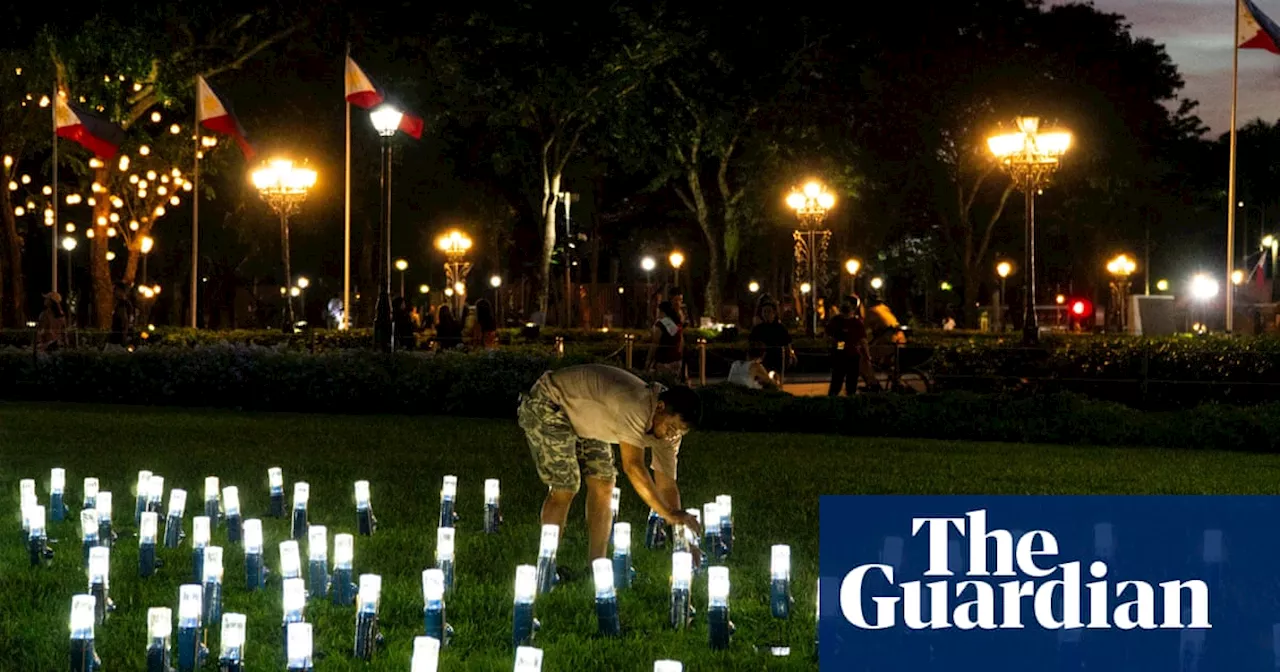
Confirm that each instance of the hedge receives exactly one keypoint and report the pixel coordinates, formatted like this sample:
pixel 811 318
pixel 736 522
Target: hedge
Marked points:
pixel 489 384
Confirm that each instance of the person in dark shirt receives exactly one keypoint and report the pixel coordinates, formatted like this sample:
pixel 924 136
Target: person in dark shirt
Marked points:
pixel 771 336
pixel 448 330
pixel 850 355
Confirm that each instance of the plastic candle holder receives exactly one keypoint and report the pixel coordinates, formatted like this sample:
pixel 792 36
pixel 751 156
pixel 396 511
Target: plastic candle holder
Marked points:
pixel 100 582
pixel 90 493
pixel 212 505
pixel 780 581
pixel 141 491
pixel 298 646
pixel 200 535
pixel 523 624
pixel 725 502
pixel 681 587
pixel 623 573
pixel 434 621
pixel 615 502
pixel 655 534
pixel 294 600
pixel 365 521
pixel 173 533
pixel 343 589
pixel 547 547
pixel 444 554
pixel 255 570
pixel 57 492
pixel 234 633
pixel 711 531
pixel 38 537
pixel 147 543
pixel 275 484
pixel 231 509
pixel 88 532
pixel 448 497
pixel 301 495
pixel 212 585
pixel 290 560
pixel 106 535
pixel 668 666
pixel 159 630
pixel 719 628
pixel 155 493
pixel 426 655
pixel 318 560
pixel 492 506
pixel 83 656
pixel 191 651
pixel 27 501
pixel 528 659
pixel 367 636
pixel 606 598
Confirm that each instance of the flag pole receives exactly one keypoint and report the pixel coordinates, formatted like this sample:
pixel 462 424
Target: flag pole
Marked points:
pixel 1231 179
pixel 346 212
pixel 54 233
pixel 195 215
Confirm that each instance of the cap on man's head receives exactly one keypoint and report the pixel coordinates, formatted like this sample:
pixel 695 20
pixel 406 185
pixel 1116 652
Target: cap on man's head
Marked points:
pixel 684 402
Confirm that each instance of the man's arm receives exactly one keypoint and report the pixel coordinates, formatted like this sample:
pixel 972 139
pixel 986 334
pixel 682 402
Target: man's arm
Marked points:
pixel 668 491
pixel 658 500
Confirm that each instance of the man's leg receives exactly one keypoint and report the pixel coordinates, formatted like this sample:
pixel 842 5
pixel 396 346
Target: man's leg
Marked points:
pixel 599 516
pixel 555 508
pixel 552 444
pixel 838 374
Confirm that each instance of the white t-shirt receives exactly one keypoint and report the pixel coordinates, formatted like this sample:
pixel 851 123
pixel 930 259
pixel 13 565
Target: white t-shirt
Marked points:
pixel 608 404
pixel 740 374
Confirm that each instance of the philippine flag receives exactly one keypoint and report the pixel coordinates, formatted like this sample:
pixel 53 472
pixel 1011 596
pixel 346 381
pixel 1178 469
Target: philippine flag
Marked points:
pixel 362 92
pixel 92 131
pixel 1257 30
pixel 214 114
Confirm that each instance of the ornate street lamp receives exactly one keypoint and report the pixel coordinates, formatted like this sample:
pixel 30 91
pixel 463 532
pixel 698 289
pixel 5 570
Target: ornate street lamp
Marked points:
pixel 676 260
pixel 386 120
pixel 402 266
pixel 455 246
pixel 1120 269
pixel 852 266
pixel 811 204
pixel 1031 157
pixel 284 187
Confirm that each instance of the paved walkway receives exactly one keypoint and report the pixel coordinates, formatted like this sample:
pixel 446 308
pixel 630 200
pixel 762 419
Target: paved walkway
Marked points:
pixel 816 385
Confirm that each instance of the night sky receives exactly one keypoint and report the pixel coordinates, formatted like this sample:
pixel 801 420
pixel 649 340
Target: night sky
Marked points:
pixel 1198 35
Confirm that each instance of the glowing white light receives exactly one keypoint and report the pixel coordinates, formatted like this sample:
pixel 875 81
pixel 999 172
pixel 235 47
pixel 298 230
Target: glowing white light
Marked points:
pixel 344 548
pixel 444 544
pixel 99 565
pixel 426 655
pixel 143 488
pixel 550 541
pixel 190 605
pixel 362 495
pixel 318 543
pixel 295 596
pixel 725 502
pixel 528 659
pixel 275 478
pixel 667 666
pixel 177 502
pixel 299 644
pixel 492 490
pixel 213 564
pixel 290 560
pixel 622 537
pixel 718 586
pixel 681 570
pixel 252 536
pixel 615 498
pixel 780 562
pixel 159 622
pixel 602 571
pixel 301 494
pixel 200 531
pixel 88 524
pixel 526 583
pixel 147 528
pixel 711 514
pixel 155 489
pixel 231 500
pixel 233 632
pixel 370 593
pixel 90 488
pixel 1203 287
pixel 35 522
pixel 82 607
pixel 57 480
pixel 449 489
pixel 432 585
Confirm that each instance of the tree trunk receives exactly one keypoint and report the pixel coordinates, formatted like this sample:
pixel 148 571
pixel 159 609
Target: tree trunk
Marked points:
pixel 715 263
pixel 550 187
pixel 13 298
pixel 101 292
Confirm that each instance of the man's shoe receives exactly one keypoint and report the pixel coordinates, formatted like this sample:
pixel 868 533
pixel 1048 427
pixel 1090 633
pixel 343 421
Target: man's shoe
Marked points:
pixel 566 575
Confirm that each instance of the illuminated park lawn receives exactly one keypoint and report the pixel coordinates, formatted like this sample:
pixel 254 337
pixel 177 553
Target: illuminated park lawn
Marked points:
pixel 775 481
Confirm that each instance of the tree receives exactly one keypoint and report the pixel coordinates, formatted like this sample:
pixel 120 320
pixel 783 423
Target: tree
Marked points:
pixel 131 69
pixel 542 80
pixel 24 133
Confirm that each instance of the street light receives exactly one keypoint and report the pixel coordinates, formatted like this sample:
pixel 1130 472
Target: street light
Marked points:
pixel 677 260
pixel 1237 277
pixel 1162 285
pixel 1121 268
pixel 1031 157
pixel 495 282
pixel 284 187
pixel 877 283
pixel 1003 269
pixel 1203 287
pixel 423 289
pixel 852 266
pixel 455 245
pixel 302 285
pixel 753 287
pixel 811 204
pixel 402 266
pixel 68 244
pixel 386 120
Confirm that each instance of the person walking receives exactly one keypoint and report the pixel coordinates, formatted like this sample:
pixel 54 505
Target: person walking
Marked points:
pixel 850 355
pixel 573 416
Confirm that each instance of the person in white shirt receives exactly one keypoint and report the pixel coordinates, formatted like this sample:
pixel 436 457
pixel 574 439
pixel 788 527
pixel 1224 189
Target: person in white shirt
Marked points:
pixel 571 419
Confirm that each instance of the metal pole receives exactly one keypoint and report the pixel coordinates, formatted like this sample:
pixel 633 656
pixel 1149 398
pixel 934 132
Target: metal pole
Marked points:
pixel 288 272
pixel 55 193
pixel 346 222
pixel 1231 177
pixel 1000 308
pixel 382 322
pixel 813 284
pixel 1030 328
pixel 195 224
pixel 1146 269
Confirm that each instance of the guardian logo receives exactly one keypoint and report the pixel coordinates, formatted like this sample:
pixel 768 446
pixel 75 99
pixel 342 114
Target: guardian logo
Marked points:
pixel 1023 579
pixel 1011 584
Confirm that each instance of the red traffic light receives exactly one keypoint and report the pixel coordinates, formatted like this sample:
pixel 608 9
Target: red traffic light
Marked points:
pixel 1078 308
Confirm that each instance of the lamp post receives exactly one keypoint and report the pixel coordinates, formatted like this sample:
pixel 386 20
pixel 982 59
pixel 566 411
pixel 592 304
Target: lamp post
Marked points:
pixel 301 286
pixel 495 282
pixel 1031 157
pixel 402 266
pixel 1003 269
pixel 69 244
pixel 1120 269
pixel 648 264
pixel 811 204
pixel 455 245
pixel 852 266
pixel 676 259
pixel 1203 288
pixel 386 120
pixel 284 187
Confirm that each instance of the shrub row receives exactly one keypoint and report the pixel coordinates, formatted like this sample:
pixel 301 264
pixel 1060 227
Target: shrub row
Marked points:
pixel 489 384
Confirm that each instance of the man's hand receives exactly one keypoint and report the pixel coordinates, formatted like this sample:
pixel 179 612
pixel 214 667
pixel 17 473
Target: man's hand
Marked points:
pixel 688 520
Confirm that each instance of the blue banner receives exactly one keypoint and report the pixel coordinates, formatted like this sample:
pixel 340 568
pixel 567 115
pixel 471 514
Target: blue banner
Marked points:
pixel 1049 584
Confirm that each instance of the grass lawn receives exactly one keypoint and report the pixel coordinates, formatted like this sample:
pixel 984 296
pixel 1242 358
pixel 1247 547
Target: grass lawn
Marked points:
pixel 775 481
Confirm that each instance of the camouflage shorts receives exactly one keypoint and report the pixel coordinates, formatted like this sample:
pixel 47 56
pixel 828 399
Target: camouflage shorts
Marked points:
pixel 559 455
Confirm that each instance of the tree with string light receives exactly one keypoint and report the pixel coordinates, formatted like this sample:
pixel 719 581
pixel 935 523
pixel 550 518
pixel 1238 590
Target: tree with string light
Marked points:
pixel 24 133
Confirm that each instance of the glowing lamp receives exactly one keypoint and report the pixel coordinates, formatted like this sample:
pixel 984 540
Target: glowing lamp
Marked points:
pixel 234 628
pixel 448 495
pixel 367 637
pixel 725 502
pixel 622 570
pixel 290 560
pixel 173 533
pixel 83 656
pixel 528 659
pixel 298 645
pixel 212 584
pixel 293 600
pixel 365 522
pixel 426 655
pixel 780 581
pixel 147 530
pixel 547 547
pixel 190 642
pixel 667 666
pixel 57 488
pixel 106 536
pixel 386 119
pixel 301 495
pixel 492 506
pixel 37 536
pixel 719 628
pixel 681 585
pixel 255 570
pixel 159 629
pixel 88 533
pixel 200 535
pixel 523 624
pixel 90 493
pixel 606 598
pixel 231 506
pixel 142 490
pixel 753 287
pixel 318 560
pixel 212 505
pixel 433 607
pixel 444 554
pixel 1203 287
pixel 343 561
pixel 711 531
pixel 275 483
pixel 99 582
